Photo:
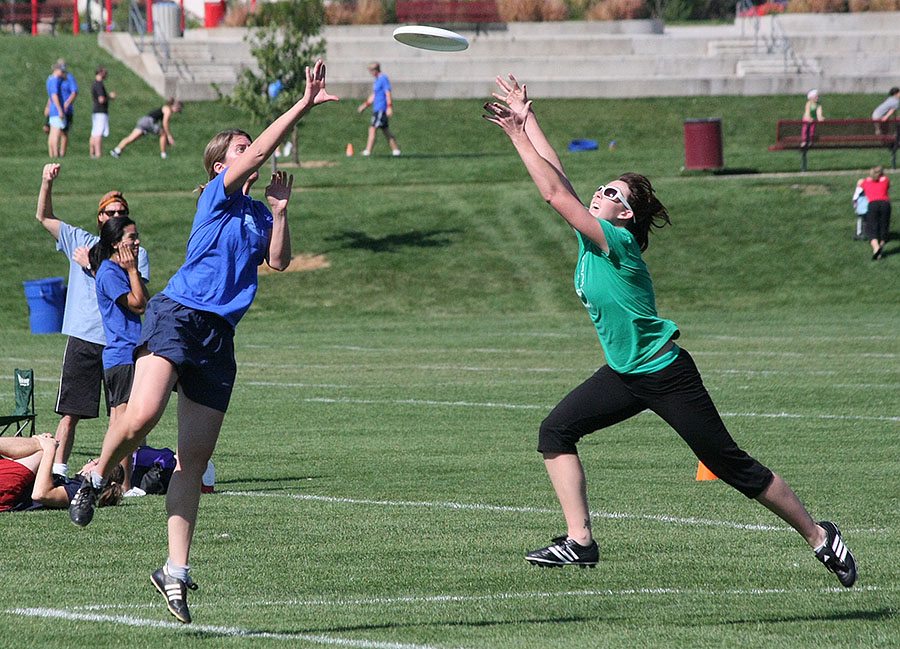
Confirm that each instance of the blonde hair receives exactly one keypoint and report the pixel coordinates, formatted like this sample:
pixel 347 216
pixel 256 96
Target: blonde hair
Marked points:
pixel 215 152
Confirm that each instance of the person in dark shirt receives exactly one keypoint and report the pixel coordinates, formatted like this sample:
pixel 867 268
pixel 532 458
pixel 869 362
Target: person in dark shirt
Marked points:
pixel 157 122
pixel 99 112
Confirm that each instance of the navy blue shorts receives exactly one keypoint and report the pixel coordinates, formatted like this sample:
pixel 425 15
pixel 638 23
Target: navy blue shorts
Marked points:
pixel 199 344
pixel 379 119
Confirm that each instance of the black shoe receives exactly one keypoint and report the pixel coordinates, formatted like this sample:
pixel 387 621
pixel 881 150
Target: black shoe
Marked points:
pixel 175 592
pixel 836 556
pixel 81 509
pixel 563 551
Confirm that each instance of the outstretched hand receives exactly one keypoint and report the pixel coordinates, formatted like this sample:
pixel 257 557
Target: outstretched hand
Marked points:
pixel 512 121
pixel 315 92
pixel 278 193
pixel 512 94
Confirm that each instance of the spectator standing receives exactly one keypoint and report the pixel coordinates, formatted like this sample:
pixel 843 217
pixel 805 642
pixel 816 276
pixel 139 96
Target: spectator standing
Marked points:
pixel 56 114
pixel 69 89
pixel 812 113
pixel 156 122
pixel 382 108
pixel 82 370
pixel 877 224
pixel 99 112
pixel 888 108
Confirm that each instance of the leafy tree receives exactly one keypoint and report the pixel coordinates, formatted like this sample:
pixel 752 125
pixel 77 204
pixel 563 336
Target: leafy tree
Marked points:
pixel 284 39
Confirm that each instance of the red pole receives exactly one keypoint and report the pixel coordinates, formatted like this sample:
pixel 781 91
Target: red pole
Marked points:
pixel 34 17
pixel 76 27
pixel 149 16
pixel 108 16
pixel 182 17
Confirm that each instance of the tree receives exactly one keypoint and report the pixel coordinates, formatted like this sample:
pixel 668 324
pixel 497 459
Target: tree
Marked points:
pixel 284 40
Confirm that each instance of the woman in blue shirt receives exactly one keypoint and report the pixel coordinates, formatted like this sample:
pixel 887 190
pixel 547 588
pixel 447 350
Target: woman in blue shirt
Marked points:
pixel 645 368
pixel 188 331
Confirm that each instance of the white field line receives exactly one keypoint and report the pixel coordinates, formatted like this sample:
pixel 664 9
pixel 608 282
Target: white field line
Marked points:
pixel 231 631
pixel 517 509
pixel 440 599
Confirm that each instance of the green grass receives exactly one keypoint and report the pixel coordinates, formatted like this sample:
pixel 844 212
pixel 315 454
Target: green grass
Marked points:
pixel 377 479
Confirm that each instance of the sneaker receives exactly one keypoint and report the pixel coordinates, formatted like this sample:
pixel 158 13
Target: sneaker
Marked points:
pixel 163 155
pixel 836 556
pixel 396 152
pixel 81 509
pixel 115 153
pixel 134 492
pixel 175 592
pixel 563 551
pixel 288 148
pixel 366 152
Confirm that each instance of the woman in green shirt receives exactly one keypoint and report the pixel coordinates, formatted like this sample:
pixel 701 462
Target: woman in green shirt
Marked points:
pixel 645 368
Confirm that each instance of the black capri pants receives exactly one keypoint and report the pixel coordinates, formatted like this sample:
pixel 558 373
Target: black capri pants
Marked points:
pixel 675 393
pixel 877 224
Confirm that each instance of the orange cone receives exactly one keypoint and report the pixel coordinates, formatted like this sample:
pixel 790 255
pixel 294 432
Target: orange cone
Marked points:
pixel 349 148
pixel 703 473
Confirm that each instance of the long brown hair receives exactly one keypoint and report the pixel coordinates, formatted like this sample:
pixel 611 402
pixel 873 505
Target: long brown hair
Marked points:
pixel 648 211
pixel 216 150
pixel 112 493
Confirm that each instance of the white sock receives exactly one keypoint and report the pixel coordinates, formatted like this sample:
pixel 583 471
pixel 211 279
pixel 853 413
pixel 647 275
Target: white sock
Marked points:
pixel 178 572
pixel 97 480
pixel 60 468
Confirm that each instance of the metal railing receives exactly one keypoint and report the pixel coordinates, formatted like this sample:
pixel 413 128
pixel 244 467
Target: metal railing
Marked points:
pixel 159 42
pixel 776 42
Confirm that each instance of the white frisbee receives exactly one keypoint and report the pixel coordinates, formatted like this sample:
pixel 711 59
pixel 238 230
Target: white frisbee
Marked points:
pixel 430 38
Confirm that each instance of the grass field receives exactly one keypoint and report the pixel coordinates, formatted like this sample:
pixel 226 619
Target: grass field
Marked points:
pixel 377 483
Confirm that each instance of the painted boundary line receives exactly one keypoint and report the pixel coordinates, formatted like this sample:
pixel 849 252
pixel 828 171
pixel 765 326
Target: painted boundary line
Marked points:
pixel 523 510
pixel 63 614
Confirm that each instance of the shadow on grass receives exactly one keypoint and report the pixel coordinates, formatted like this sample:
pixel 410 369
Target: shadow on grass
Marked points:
pixel 392 242
pixel 872 616
pixel 462 623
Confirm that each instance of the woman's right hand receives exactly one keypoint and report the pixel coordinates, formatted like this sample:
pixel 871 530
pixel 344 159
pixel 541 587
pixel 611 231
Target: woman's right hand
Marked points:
pixel 315 92
pixel 511 121
pixel 126 258
pixel 513 95
pixel 51 171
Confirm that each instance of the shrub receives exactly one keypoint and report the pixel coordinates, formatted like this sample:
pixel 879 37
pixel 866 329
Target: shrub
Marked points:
pixel 339 13
pixel 554 10
pixel 883 5
pixel 519 10
pixel 618 10
pixel 369 12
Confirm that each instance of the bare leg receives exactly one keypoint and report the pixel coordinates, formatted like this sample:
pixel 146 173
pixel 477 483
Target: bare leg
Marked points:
pixel 370 141
pixel 128 139
pixel 781 499
pixel 163 141
pixel 567 477
pixel 17 448
pixel 63 143
pixel 65 437
pixel 154 377
pixel 53 142
pixel 391 140
pixel 198 430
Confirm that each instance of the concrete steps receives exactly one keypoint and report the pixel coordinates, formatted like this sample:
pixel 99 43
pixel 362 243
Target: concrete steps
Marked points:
pixel 837 53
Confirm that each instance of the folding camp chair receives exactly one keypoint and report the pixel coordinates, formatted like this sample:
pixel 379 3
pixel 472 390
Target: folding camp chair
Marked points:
pixel 24 413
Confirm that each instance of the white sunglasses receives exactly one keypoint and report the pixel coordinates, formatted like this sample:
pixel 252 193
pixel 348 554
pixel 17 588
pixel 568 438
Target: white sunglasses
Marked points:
pixel 613 194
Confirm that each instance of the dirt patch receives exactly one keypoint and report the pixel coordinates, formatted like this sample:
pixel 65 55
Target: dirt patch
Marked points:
pixel 299 263
pixel 307 164
pixel 812 190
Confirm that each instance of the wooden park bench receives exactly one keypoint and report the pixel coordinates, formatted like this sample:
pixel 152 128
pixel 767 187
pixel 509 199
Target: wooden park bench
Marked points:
pixel 838 134
pixel 49 12
pixel 457 12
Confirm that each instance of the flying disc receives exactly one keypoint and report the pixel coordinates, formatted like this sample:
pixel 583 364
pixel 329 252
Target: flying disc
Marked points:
pixel 430 38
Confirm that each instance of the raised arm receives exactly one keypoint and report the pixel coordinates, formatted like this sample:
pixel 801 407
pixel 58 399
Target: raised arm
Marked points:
pixel 278 193
pixel 45 214
pixel 553 185
pixel 263 147
pixel 136 299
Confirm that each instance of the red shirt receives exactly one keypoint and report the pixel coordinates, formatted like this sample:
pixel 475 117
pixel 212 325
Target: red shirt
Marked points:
pixel 877 190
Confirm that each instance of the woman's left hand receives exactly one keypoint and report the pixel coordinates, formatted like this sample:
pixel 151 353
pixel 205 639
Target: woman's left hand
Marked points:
pixel 315 92
pixel 511 121
pixel 278 193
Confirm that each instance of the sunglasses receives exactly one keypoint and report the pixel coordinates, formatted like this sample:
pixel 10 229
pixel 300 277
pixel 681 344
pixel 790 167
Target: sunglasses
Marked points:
pixel 116 212
pixel 613 194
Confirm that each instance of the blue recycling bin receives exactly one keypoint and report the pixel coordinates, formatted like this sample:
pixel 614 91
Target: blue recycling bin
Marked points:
pixel 46 304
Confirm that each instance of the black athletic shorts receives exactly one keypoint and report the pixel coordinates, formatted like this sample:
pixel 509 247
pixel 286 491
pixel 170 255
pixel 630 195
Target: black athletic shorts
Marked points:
pixel 82 376
pixel 677 394
pixel 117 380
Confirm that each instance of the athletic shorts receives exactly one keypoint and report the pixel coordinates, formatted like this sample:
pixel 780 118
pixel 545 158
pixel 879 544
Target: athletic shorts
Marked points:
pixel 82 376
pixel 58 122
pixel 199 344
pixel 877 222
pixel 117 380
pixel 147 124
pixel 69 119
pixel 100 124
pixel 380 119
pixel 15 479
pixel 675 393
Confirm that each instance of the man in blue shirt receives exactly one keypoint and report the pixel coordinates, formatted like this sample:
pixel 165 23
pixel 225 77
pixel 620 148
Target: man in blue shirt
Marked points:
pixel 82 372
pixel 69 89
pixel 55 112
pixel 382 108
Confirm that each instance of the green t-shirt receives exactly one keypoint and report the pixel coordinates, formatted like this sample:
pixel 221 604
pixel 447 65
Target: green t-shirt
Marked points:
pixel 615 288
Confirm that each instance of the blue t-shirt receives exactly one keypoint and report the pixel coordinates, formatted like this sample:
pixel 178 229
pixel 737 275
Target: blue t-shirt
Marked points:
pixel 381 85
pixel 68 87
pixel 54 87
pixel 81 318
pixel 228 242
pixel 616 290
pixel 121 325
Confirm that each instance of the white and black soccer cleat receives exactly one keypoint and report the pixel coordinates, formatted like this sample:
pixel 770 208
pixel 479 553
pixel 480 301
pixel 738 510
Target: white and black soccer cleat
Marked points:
pixel 563 551
pixel 836 556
